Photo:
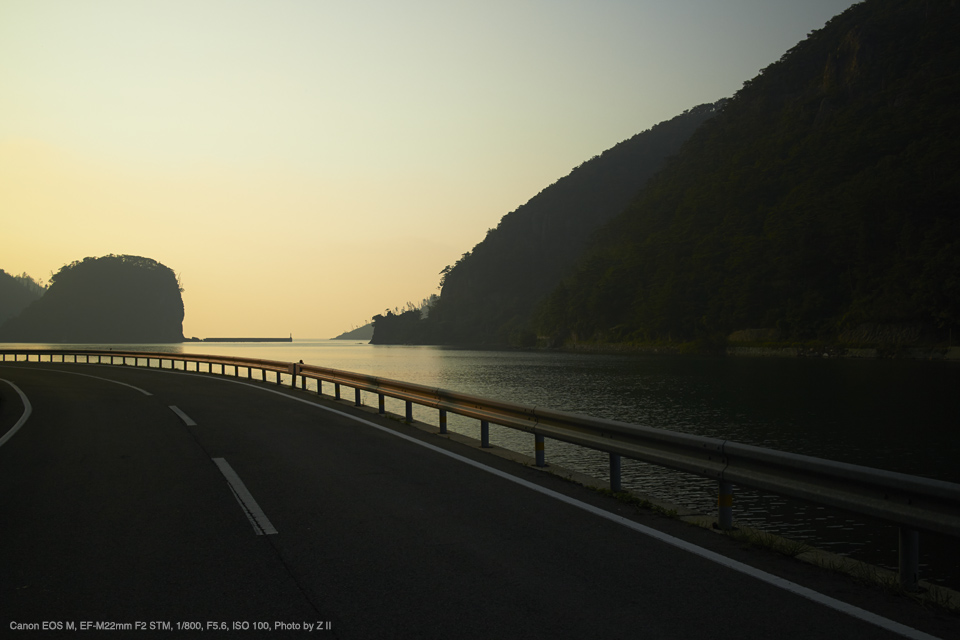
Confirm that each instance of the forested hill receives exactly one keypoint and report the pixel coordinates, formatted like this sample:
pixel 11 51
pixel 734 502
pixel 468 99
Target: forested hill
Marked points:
pixel 111 299
pixel 16 292
pixel 822 203
pixel 489 295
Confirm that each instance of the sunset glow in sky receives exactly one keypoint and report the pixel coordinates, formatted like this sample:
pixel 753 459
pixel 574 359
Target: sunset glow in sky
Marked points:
pixel 305 164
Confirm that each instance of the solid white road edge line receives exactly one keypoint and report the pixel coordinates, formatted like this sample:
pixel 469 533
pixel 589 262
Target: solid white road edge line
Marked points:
pixel 186 419
pixel 27 410
pixel 759 574
pixel 769 578
pixel 261 525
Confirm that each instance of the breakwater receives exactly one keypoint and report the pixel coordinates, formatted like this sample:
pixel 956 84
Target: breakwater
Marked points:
pixel 290 339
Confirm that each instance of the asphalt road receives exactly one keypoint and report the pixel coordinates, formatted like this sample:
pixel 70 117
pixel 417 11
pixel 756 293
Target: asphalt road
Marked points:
pixel 116 509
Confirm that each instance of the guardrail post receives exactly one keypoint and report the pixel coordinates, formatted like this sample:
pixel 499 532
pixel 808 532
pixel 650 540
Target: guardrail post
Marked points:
pixel 725 505
pixel 356 398
pixel 909 559
pixel 443 421
pixel 319 387
pixel 381 404
pixel 484 434
pixel 538 450
pixel 303 383
pixel 615 472
pixel 336 390
pixel 409 412
pixel 278 377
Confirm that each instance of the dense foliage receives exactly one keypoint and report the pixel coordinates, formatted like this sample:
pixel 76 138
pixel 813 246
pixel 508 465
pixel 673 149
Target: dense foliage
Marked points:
pixel 489 295
pixel 16 292
pixel 104 300
pixel 823 202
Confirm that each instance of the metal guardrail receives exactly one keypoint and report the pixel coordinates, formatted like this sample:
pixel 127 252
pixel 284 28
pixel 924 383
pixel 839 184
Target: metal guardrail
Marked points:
pixel 910 502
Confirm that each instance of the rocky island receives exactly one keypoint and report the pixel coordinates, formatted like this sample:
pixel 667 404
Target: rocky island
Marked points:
pixel 112 299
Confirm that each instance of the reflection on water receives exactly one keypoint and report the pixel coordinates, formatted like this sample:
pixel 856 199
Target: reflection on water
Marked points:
pixel 896 415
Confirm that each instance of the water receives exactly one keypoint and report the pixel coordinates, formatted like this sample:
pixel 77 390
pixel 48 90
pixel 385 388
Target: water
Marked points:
pixel 897 415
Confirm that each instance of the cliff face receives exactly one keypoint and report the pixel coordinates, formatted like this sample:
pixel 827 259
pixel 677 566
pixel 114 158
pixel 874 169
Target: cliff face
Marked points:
pixel 113 299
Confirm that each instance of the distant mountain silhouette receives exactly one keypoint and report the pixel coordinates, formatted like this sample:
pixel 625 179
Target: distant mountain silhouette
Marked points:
pixel 111 299
pixel 488 296
pixel 360 333
pixel 16 293
pixel 822 203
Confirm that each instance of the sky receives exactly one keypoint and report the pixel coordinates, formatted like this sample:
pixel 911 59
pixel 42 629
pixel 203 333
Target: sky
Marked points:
pixel 304 165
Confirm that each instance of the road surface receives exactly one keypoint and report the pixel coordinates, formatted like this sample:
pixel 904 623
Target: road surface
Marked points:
pixel 167 504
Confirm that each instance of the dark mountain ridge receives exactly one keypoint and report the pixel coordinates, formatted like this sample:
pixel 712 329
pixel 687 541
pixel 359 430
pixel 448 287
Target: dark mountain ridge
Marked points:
pixel 489 295
pixel 822 203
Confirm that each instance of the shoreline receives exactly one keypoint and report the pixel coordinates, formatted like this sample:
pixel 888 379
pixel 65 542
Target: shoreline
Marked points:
pixel 764 350
pixel 951 354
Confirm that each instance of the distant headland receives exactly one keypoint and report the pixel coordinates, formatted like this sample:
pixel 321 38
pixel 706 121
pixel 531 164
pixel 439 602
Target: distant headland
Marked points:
pixel 360 333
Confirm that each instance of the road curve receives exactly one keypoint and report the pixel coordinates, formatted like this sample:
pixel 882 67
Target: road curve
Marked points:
pixel 118 505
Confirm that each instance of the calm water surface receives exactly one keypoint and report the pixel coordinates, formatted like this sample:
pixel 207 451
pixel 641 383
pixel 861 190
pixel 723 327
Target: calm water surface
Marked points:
pixel 897 415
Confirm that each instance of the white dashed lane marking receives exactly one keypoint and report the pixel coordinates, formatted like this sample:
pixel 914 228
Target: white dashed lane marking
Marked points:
pixel 186 419
pixel 261 525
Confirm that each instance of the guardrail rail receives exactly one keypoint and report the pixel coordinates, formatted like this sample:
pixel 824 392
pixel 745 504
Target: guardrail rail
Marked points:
pixel 912 503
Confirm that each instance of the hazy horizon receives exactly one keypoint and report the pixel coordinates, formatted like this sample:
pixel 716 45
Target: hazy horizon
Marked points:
pixel 305 165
